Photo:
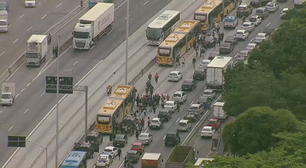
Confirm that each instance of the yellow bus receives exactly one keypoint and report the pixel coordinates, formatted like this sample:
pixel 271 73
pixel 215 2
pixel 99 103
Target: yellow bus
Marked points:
pixel 115 108
pixel 174 47
pixel 212 11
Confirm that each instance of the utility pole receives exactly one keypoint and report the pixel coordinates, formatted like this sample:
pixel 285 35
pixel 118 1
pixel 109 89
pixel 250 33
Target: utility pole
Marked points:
pixel 57 104
pixel 223 15
pixel 127 40
pixel 46 150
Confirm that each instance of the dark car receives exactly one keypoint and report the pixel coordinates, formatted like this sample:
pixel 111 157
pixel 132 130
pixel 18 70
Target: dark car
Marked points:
pixel 209 41
pixel 165 114
pixel 95 139
pixel 269 30
pixel 4 6
pixel 244 10
pixel 213 54
pixel 259 3
pixel 86 147
pixel 189 84
pixel 226 48
pixel 191 117
pixel 199 74
pixel 231 39
pixel 120 140
pixel 172 139
pixel 132 156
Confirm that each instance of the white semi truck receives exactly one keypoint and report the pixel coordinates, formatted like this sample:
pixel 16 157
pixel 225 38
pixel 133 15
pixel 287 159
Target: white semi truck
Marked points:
pixel 215 70
pixel 4 24
pixel 94 24
pixel 7 94
pixel 36 50
pixel 219 112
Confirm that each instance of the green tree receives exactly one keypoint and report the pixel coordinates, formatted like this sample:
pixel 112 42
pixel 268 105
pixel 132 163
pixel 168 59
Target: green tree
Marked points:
pixel 252 131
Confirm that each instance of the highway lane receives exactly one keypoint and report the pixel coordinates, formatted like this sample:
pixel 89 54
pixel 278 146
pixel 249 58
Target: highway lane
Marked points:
pixel 72 60
pixel 27 21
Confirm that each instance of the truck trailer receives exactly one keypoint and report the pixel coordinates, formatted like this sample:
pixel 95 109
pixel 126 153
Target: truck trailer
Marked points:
pixel 94 24
pixel 180 156
pixel 7 94
pixel 151 160
pixel 36 50
pixel 219 112
pixel 215 70
pixel 4 24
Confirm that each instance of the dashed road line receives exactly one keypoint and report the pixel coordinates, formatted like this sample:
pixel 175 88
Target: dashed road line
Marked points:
pixel 0 111
pixel 42 94
pixel 178 120
pixel 2 53
pixel 75 62
pixel 164 137
pixel 58 5
pixel 146 2
pixel 15 40
pixel 17 95
pixel 43 17
pixel 251 39
pixel 26 111
pixel 38 3
pixel 4 107
pixel 10 128
pixel 28 84
pixel 30 28
pixel 22 90
pixel 191 103
pixel 268 24
pixel 21 16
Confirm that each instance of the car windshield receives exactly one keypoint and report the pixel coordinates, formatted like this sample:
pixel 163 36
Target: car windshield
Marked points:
pixel 193 108
pixel 154 121
pixel 132 155
pixel 173 74
pixel 177 95
pixel 243 53
pixel 119 137
pixel 207 92
pixel 239 32
pixel 143 136
pixel 260 36
pixel 182 124
pixel 108 150
pixel 242 8
pixel 246 24
pixel 268 30
pixel 206 129
pixel 252 19
pixel 136 146
pixel 2 6
pixel 251 45
pixel 212 122
pixel 198 72
pixel 259 11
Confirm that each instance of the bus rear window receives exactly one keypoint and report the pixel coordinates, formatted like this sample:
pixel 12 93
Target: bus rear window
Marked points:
pixel 228 20
pixel 164 52
pixel 103 119
pixel 200 17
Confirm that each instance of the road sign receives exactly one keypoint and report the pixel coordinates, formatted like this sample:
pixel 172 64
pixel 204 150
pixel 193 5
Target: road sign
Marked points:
pixel 65 84
pixel 16 141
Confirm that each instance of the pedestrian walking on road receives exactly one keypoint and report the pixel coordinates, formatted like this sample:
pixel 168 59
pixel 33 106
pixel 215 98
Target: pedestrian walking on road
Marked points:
pixel 119 153
pixel 183 62
pixel 137 134
pixel 194 62
pixel 156 78
pixel 150 77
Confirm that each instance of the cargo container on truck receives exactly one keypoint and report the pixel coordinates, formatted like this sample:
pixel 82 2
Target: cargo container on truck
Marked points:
pixel 36 50
pixel 92 3
pixel 94 24
pixel 219 112
pixel 180 156
pixel 4 24
pixel 151 160
pixel 215 70
pixel 7 94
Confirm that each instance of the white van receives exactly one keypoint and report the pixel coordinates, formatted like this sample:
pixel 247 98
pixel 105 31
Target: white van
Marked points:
pixel 184 125
pixel 30 3
pixel 199 161
pixel 180 96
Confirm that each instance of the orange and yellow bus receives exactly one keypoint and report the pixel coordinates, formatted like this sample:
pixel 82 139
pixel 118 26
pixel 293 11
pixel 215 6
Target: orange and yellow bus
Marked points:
pixel 211 11
pixel 115 108
pixel 174 46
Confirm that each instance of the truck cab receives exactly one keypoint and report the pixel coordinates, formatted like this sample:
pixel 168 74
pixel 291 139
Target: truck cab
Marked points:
pixel 4 24
pixel 86 147
pixel 36 50
pixel 95 139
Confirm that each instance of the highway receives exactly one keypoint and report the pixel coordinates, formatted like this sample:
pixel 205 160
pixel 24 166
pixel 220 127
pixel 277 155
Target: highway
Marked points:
pixel 27 21
pixel 165 87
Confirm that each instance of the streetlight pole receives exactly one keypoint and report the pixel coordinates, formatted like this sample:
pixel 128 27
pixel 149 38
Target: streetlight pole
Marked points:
pixel 57 104
pixel 222 11
pixel 46 149
pixel 127 40
pixel 86 100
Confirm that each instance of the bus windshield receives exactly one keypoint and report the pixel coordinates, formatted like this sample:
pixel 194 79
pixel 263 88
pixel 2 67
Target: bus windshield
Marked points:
pixel 102 119
pixel 31 55
pixel 154 34
pixel 164 52
pixel 200 17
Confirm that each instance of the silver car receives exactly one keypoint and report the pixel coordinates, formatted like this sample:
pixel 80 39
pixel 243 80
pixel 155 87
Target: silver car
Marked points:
pixel 248 26
pixel 145 138
pixel 209 94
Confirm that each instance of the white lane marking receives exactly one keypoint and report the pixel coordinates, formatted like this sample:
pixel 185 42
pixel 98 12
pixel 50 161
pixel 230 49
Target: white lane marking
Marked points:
pixel 2 53
pixel 178 120
pixel 43 17
pixel 146 3
pixel 120 5
pixel 146 130
pixel 75 62
pixel 10 128
pixel 28 84
pixel 191 103
pixel 251 39
pixel 21 16
pixel 42 94
pixel 38 3
pixel 30 28
pixel 164 137
pixel 58 5
pixel 268 24
pixel 15 40
pixel 4 107
pixel 17 95
pixel 22 90
pixel 26 111
pixel 0 111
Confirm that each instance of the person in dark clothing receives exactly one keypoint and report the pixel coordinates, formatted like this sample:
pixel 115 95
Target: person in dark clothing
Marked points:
pixel 194 61
pixel 119 153
pixel 154 108
pixel 156 77
pixel 150 76
pixel 222 36
pixel 215 42
pixel 178 107
pixel 137 134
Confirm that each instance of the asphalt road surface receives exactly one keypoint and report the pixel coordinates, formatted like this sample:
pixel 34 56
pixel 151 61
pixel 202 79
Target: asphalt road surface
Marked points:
pixel 27 21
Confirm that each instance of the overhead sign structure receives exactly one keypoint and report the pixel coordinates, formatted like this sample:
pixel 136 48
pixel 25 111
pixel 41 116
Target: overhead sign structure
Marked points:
pixel 16 141
pixel 65 84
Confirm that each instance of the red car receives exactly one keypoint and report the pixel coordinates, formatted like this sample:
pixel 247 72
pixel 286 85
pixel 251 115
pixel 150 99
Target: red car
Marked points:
pixel 138 146
pixel 215 123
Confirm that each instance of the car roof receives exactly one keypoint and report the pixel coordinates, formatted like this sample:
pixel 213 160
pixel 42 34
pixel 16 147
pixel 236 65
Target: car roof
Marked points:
pixel 183 121
pixel 262 34
pixel 213 119
pixel 175 72
pixel 105 154
pixel 178 92
pixel 252 44
pixel 244 51
pixel 170 101
pixel 247 23
pixel 207 127
pixel 119 135
pixel 132 151
pixel 225 44
pixel 194 105
pixel 144 133
pixel 285 9
pixel 243 5
pixel 137 143
pixel 208 90
pixel 230 17
pixel 155 118
pixel 254 16
pixel 241 30
pixel 205 60
pixel 261 8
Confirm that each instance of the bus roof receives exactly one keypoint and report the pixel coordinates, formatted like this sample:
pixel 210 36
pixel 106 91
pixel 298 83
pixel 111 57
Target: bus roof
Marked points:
pixel 208 6
pixel 110 106
pixel 151 156
pixel 163 19
pixel 74 158
pixel 172 40
pixel 186 26
pixel 122 92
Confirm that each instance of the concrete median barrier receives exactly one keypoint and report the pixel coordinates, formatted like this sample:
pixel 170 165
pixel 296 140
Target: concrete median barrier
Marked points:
pixel 66 45
pixel 4 76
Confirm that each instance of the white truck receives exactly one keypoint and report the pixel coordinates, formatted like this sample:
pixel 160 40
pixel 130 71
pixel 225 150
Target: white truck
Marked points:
pixel 36 50
pixel 94 24
pixel 4 24
pixel 7 94
pixel 219 113
pixel 215 69
pixel 298 3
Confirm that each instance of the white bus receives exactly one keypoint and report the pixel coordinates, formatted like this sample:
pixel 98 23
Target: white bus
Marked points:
pixel 162 26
